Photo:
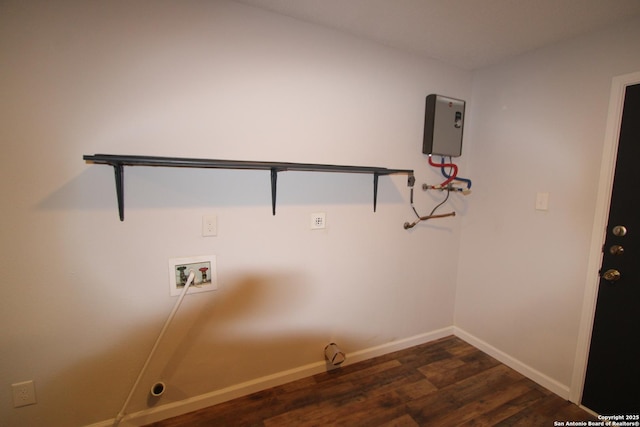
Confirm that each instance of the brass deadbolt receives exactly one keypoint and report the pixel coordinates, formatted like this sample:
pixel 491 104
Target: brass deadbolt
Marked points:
pixel 619 230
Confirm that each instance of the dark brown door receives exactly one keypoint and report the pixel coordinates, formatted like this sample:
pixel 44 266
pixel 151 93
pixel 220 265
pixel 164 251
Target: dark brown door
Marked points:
pixel 612 383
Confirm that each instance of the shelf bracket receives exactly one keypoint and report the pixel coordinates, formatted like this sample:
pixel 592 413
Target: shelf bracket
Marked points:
pixel 274 181
pixel 375 190
pixel 119 174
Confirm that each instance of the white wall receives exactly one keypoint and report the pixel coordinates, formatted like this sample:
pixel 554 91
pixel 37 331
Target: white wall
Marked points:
pixel 85 295
pixel 538 125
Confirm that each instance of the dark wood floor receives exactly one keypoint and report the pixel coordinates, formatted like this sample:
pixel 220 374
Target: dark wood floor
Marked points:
pixel 441 383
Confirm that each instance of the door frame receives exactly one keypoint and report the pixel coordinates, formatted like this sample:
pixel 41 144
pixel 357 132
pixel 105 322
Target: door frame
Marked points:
pixel 598 233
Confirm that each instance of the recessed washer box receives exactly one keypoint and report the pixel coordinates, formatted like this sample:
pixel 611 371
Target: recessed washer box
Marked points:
pixel 443 125
pixel 204 268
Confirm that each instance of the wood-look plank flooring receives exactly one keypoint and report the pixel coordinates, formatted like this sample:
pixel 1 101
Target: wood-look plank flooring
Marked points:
pixel 442 383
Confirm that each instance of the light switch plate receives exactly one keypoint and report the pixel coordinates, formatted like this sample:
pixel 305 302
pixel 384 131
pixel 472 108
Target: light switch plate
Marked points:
pixel 542 201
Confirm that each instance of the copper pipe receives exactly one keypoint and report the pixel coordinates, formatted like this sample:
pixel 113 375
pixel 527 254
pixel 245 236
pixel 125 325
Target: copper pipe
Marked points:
pixel 424 218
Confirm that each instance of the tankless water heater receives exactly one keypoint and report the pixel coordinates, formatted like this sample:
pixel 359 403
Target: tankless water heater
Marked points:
pixel 443 125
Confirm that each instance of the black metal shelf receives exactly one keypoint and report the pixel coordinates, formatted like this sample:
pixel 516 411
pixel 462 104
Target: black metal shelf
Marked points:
pixel 119 161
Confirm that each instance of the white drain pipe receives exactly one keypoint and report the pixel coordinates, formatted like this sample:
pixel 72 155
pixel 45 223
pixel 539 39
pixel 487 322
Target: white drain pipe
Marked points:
pixel 121 414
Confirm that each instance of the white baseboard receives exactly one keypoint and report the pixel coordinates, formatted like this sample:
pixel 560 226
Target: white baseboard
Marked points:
pixel 218 396
pixel 558 388
pixel 369 353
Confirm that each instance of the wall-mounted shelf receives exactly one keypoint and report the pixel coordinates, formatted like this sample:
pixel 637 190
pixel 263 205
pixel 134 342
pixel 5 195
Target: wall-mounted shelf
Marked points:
pixel 119 161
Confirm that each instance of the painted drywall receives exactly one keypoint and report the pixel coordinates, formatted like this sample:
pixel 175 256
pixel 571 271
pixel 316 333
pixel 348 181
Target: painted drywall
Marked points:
pixel 85 295
pixel 538 126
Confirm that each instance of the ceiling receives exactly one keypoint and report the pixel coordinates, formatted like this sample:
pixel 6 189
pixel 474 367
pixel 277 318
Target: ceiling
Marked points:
pixel 466 33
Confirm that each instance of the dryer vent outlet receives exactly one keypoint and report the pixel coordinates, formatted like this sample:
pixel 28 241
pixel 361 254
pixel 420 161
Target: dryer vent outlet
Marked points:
pixel 334 355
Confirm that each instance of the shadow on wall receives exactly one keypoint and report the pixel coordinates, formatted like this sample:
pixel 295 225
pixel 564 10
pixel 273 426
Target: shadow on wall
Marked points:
pixel 243 331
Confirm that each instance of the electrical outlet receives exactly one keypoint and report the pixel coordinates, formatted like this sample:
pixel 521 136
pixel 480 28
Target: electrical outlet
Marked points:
pixel 318 221
pixel 24 394
pixel 209 225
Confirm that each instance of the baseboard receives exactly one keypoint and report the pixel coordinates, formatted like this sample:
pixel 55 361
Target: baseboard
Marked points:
pixel 370 353
pixel 558 388
pixel 218 396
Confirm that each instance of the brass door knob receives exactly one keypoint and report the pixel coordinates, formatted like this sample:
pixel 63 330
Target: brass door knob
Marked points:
pixel 611 275
pixel 616 250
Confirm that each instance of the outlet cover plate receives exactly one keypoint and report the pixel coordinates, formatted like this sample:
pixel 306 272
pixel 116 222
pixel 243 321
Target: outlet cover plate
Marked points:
pixel 209 225
pixel 318 221
pixel 24 394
